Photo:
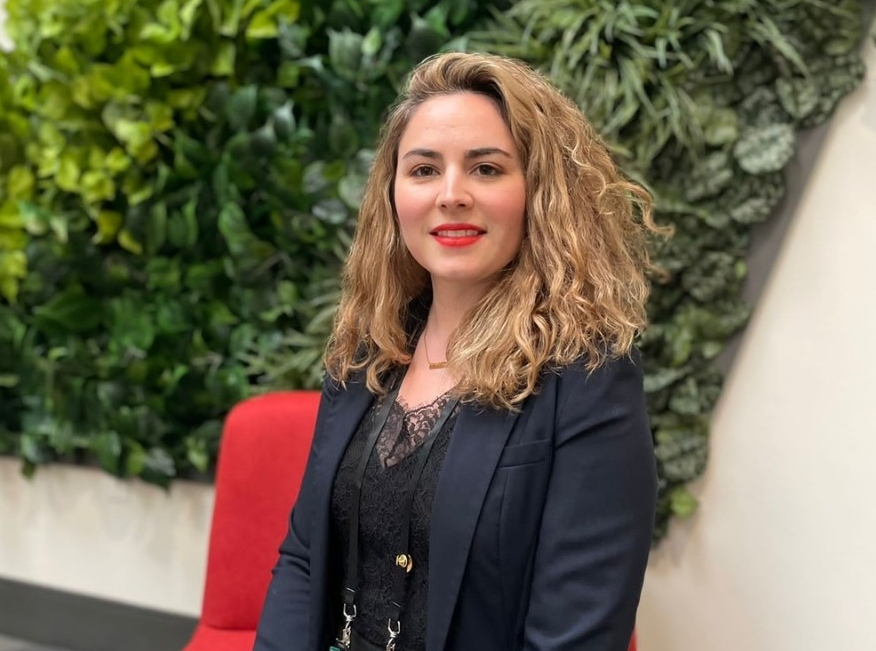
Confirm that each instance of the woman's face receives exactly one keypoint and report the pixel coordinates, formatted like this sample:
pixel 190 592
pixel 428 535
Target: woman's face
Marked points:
pixel 460 192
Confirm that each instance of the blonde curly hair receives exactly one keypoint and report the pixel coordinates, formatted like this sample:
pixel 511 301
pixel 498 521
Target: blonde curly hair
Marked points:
pixel 578 285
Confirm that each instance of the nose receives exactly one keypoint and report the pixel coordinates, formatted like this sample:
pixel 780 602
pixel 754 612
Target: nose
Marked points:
pixel 454 192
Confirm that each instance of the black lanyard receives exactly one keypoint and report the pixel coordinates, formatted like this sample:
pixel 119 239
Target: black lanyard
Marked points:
pixel 402 563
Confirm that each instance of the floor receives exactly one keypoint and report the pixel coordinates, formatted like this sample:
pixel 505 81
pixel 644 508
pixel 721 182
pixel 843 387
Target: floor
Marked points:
pixel 11 644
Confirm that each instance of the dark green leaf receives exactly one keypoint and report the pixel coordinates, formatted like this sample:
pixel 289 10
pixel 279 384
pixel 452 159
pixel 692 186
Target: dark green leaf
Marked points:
pixel 71 310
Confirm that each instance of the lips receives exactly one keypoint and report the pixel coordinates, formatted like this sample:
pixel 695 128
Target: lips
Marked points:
pixel 457 234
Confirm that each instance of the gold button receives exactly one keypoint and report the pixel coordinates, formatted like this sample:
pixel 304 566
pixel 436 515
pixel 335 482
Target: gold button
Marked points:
pixel 404 561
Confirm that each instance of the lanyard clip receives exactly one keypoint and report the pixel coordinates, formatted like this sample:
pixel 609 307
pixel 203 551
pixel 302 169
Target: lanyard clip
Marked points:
pixel 394 629
pixel 349 616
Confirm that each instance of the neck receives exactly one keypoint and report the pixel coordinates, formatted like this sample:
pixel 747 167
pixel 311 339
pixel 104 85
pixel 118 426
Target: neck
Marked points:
pixel 449 305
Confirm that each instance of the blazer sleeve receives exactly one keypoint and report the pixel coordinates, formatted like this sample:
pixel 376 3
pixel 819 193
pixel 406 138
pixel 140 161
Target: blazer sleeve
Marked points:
pixel 598 516
pixel 286 612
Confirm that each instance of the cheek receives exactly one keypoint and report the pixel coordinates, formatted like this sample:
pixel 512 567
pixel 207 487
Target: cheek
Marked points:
pixel 514 206
pixel 412 211
pixel 408 205
pixel 406 214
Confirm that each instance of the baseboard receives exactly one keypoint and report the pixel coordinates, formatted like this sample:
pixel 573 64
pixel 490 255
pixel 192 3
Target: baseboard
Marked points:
pixel 80 623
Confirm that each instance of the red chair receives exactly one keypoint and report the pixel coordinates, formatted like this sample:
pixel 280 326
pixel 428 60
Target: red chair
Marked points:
pixel 264 448
pixel 265 444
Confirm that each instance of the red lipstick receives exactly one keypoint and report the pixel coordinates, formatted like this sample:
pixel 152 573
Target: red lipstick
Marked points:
pixel 457 234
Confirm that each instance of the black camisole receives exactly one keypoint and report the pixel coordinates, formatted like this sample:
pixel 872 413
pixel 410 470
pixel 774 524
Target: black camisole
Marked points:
pixel 383 489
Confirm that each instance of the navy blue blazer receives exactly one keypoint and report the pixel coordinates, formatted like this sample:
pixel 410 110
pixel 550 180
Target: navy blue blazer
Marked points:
pixel 540 529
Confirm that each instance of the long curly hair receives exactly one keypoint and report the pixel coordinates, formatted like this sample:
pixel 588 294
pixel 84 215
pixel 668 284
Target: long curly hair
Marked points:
pixel 578 286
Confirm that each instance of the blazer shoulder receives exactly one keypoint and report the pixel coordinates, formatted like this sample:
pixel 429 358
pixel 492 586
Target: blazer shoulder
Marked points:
pixel 614 386
pixel 614 368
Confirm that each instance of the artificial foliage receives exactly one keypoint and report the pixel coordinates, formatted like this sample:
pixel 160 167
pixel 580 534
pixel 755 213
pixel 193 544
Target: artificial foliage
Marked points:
pixel 176 181
pixel 179 180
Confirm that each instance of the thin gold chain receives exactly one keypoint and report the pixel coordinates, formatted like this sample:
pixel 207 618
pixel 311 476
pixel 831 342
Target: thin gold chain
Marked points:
pixel 432 365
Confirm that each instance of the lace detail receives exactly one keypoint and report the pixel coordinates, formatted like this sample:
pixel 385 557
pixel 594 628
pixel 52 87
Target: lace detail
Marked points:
pixel 406 429
pixel 383 490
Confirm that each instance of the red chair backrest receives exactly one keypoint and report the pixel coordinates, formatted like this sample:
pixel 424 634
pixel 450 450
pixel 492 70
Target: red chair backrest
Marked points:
pixel 263 452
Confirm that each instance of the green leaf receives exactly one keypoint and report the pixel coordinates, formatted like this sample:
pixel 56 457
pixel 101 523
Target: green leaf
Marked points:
pixel 351 189
pixel 20 182
pixel 331 211
pixel 156 228
pixel 13 268
pixel 284 122
pixel 9 381
pixel 108 448
pixel 224 59
pixel 97 186
pixel 234 229
pixel 158 462
pixel 765 149
pixel 372 42
pixel 188 13
pixel 709 177
pixel 264 141
pixel 345 52
pixel 182 226
pixel 67 176
pixel 130 243
pixel 197 454
pixel 683 503
pixel 425 36
pixel 71 309
pixel 116 161
pixel 135 462
pixel 130 325
pixel 241 107
pixel 721 127
pixel 160 117
pixel 265 24
pixel 799 97
pixel 108 225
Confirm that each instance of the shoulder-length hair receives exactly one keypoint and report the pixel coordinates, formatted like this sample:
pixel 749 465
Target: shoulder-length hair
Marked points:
pixel 578 285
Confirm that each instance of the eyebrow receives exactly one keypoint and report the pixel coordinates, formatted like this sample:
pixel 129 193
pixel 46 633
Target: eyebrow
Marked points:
pixel 478 152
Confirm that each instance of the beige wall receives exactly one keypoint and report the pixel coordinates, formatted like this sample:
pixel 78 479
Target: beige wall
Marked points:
pixel 80 530
pixel 782 554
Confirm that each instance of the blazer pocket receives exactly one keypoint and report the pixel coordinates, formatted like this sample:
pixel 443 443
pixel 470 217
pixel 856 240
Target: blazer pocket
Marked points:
pixel 525 453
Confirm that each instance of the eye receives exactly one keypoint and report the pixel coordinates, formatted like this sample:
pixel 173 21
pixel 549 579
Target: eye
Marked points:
pixel 487 169
pixel 422 171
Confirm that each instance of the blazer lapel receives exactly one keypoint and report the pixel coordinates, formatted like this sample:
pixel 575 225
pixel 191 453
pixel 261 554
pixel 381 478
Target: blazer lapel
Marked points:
pixel 475 447
pixel 341 422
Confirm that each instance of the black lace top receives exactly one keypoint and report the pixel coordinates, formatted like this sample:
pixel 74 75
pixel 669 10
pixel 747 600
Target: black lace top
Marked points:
pixel 385 483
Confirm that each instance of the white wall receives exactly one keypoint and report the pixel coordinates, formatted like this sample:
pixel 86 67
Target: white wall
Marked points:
pixel 782 553
pixel 80 530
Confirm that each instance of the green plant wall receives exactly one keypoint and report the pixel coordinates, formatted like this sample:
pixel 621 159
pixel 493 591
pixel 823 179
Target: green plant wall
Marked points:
pixel 179 178
pixel 176 181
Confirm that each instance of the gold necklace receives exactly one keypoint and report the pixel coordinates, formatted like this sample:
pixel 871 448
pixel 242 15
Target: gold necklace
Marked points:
pixel 432 365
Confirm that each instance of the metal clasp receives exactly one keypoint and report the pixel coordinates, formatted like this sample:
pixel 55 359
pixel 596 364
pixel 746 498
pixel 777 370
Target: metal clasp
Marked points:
pixel 344 642
pixel 393 634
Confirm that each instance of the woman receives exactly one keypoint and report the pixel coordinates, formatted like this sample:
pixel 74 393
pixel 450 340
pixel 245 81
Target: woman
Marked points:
pixel 482 474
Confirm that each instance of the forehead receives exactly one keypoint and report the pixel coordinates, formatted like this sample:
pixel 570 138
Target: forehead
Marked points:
pixel 466 118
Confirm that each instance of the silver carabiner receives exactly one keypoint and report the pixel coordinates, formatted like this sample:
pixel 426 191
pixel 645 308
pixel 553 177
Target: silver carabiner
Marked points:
pixel 344 642
pixel 393 633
